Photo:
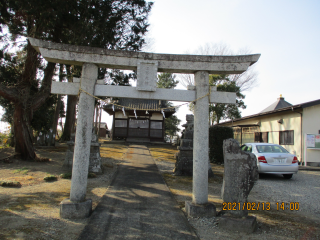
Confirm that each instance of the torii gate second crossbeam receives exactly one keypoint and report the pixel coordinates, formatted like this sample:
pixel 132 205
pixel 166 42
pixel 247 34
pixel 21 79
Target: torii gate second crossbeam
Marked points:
pixel 147 66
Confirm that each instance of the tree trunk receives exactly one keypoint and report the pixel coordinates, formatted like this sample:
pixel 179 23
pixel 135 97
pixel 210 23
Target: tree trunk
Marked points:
pixel 61 124
pixel 25 103
pixel 57 109
pixel 70 117
pixel 23 108
pixel 23 133
pixel 56 119
pixel 12 141
pixel 71 111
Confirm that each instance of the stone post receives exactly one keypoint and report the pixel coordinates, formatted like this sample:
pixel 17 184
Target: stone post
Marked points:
pixel 240 174
pixel 78 206
pixel 200 206
pixel 201 139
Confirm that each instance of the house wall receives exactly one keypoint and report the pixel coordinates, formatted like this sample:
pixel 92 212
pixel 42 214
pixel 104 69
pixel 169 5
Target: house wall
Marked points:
pixel 291 121
pixel 311 124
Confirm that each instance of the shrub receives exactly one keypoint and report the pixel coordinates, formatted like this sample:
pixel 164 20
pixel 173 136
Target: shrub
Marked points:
pixel 23 170
pixel 69 175
pixel 50 178
pixel 10 184
pixel 66 175
pixel 216 136
pixel 4 140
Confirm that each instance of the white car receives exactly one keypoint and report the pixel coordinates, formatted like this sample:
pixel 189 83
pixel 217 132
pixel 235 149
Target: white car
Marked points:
pixel 273 159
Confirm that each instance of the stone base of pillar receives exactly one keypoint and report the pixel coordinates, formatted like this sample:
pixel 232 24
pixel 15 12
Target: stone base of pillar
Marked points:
pixel 244 225
pixel 200 210
pixel 75 210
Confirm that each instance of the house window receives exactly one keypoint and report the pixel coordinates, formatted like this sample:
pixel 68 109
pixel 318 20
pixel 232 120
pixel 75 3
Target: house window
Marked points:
pixel 286 137
pixel 261 137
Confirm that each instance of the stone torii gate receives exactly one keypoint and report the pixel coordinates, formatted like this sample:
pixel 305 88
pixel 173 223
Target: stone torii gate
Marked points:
pixel 147 65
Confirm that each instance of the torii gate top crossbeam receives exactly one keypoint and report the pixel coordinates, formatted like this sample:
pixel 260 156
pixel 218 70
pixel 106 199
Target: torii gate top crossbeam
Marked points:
pixel 128 60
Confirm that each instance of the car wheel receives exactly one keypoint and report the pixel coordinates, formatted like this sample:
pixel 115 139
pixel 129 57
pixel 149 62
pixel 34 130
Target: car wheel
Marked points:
pixel 287 176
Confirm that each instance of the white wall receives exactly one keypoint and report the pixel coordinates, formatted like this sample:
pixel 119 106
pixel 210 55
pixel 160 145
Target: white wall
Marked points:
pixel 291 121
pixel 311 124
pixel 269 123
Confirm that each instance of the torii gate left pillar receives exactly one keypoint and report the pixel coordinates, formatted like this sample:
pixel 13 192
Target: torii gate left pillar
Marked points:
pixel 78 206
pixel 147 66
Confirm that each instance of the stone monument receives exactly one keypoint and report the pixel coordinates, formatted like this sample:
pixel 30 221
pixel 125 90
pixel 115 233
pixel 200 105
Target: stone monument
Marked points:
pixel 45 139
pixel 184 158
pixel 94 159
pixel 240 174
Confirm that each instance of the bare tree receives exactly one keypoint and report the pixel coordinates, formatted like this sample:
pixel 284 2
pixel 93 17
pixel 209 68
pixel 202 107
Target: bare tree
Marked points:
pixel 246 81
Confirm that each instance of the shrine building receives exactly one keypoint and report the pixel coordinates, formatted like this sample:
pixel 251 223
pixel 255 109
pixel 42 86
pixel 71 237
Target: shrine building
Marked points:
pixel 139 119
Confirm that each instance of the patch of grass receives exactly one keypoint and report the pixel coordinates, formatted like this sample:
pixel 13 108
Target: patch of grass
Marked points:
pixel 42 200
pixel 163 153
pixel 69 175
pixel 10 184
pixel 50 178
pixel 23 170
pixel 115 152
pixel 66 175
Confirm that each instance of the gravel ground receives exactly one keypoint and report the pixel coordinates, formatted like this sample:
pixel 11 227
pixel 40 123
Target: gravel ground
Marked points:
pixel 303 188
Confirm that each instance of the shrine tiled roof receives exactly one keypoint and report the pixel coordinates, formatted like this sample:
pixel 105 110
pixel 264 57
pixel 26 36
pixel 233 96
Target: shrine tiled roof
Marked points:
pixel 140 104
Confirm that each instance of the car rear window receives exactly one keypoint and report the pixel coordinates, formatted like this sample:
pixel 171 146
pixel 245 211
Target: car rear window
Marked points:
pixel 271 149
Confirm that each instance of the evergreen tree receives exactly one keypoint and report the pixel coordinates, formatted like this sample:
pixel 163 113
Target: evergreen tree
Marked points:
pixel 219 111
pixel 171 125
pixel 167 80
pixel 118 24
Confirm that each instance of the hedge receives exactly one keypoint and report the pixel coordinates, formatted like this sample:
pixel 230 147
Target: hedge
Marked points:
pixel 216 136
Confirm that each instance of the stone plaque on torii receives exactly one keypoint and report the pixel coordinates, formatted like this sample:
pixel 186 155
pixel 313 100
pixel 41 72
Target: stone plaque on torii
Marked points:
pixel 147 66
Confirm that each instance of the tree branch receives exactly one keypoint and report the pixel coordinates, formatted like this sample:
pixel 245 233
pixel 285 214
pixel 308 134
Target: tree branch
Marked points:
pixel 9 93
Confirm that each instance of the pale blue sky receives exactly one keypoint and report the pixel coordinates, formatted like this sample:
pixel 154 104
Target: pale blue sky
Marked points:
pixel 285 32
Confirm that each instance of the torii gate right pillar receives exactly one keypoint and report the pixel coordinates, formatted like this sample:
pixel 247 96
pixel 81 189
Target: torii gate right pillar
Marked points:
pixel 200 139
pixel 199 207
